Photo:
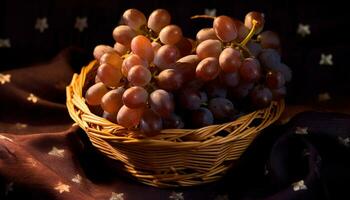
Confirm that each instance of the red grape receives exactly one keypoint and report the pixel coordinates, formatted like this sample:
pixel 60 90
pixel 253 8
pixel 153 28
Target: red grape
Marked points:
pixel 135 97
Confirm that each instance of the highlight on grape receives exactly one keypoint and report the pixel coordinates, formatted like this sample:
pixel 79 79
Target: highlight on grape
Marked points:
pixel 156 78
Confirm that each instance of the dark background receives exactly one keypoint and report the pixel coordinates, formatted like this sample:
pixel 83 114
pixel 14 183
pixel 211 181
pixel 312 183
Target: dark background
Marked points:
pixel 328 22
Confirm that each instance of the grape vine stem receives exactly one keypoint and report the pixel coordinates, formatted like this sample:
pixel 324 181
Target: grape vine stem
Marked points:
pixel 251 33
pixel 202 17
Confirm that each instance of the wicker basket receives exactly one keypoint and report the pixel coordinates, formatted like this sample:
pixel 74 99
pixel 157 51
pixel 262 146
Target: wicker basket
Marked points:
pixel 177 157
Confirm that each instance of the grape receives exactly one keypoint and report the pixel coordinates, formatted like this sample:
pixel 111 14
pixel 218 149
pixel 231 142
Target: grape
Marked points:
pixel 261 96
pixel 230 60
pixel 190 99
pixel 202 117
pixel 131 61
pixel 112 58
pixel 158 19
pixel 192 59
pixel 94 94
pixel 258 17
pixel 170 34
pixel 141 46
pixel 135 97
pixel 111 102
pixel 162 102
pixel 279 93
pixel 134 19
pixel 250 70
pixel 139 75
pixel 166 56
pixel 128 117
pixel 225 28
pixel 286 71
pixel 208 69
pixel 173 121
pixel 109 75
pixel 221 108
pixel 275 80
pixel 184 46
pixel 123 34
pixel 270 58
pixel 204 97
pixel 151 123
pixel 230 79
pixel 121 49
pixel 215 89
pixel 209 48
pixel 156 46
pixel 242 90
pixel 269 39
pixel 242 31
pixel 187 70
pixel 206 34
pixel 254 48
pixel 100 50
pixel 97 80
pixel 170 80
pixel 110 117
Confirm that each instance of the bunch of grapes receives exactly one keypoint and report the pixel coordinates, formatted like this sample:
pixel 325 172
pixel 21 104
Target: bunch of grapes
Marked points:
pixel 154 78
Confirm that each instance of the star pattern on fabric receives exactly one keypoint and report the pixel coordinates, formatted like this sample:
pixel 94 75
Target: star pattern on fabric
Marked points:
pixel 81 23
pixel 301 130
pixel 5 138
pixel 176 196
pixel 21 125
pixel 304 30
pixel 9 188
pixel 61 187
pixel 210 12
pixel 5 78
pixel 31 162
pixel 32 98
pixel 57 152
pixel 117 196
pixel 326 59
pixel 300 185
pixel 77 179
pixel 5 43
pixel 222 197
pixel 344 141
pixel 324 96
pixel 41 24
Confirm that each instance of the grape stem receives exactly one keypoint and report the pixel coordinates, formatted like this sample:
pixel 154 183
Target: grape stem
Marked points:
pixel 202 17
pixel 251 33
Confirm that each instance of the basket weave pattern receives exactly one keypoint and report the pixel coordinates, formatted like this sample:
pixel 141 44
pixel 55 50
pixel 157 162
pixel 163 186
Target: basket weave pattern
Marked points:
pixel 177 157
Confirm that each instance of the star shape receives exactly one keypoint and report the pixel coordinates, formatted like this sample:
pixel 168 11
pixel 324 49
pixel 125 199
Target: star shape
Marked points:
pixel 299 185
pixel 9 188
pixel 5 138
pixel 324 96
pixel 81 23
pixel 117 196
pixel 344 141
pixel 210 12
pixel 31 162
pixel 77 179
pixel 5 43
pixel 32 98
pixel 56 152
pixel 301 130
pixel 176 196
pixel 326 59
pixel 5 78
pixel 41 24
pixel 20 125
pixel 304 30
pixel 60 187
